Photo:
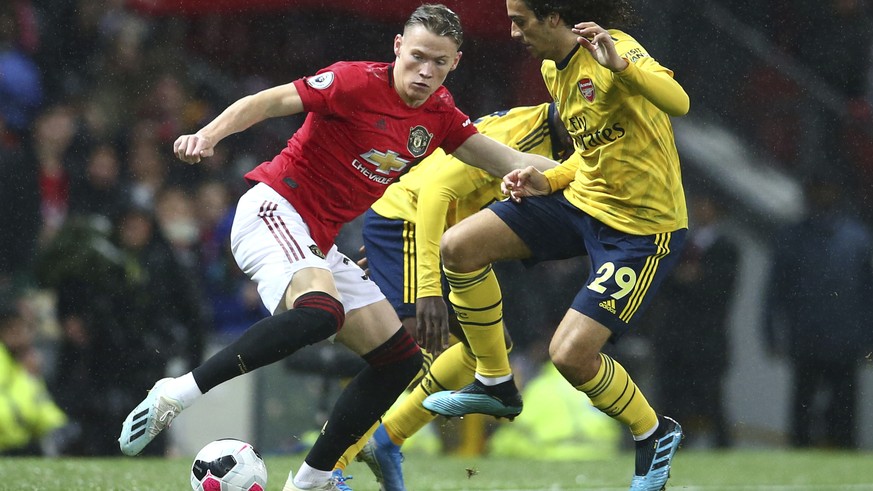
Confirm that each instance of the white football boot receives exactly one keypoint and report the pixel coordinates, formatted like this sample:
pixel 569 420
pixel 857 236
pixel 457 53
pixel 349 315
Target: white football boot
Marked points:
pixel 150 417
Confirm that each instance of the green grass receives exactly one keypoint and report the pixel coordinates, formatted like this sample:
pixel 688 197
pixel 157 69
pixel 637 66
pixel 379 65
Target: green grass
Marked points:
pixel 768 470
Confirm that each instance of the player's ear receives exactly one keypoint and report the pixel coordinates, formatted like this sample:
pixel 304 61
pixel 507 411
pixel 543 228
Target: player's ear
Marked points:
pixel 457 60
pixel 398 40
pixel 555 20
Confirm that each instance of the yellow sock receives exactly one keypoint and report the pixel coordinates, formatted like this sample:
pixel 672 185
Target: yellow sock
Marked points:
pixel 425 369
pixel 450 371
pixel 352 451
pixel 478 302
pixel 613 392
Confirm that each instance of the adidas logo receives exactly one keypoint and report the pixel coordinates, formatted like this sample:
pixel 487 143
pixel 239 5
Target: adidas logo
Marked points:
pixel 138 426
pixel 609 305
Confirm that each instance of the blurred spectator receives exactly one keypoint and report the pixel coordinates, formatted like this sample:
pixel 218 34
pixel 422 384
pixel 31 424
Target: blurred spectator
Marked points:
pixel 68 56
pixel 163 304
pixel 86 270
pixel 820 314
pixel 176 216
pixel 148 173
pixel 99 191
pixel 233 298
pixel 28 416
pixel 166 104
pixel 53 135
pixel 127 309
pixel 19 192
pixel 692 317
pixel 20 80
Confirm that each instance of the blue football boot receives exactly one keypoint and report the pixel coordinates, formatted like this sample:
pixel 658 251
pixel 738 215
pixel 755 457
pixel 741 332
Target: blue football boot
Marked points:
pixel 654 455
pixel 383 457
pixel 477 398
pixel 340 480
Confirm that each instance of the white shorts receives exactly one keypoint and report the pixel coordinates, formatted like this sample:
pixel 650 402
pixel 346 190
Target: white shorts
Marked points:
pixel 270 243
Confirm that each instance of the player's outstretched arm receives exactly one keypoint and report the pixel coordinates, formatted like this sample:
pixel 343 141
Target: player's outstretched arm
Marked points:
pixel 283 100
pixel 496 158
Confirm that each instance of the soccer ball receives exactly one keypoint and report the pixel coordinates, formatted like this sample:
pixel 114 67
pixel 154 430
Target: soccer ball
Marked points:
pixel 228 465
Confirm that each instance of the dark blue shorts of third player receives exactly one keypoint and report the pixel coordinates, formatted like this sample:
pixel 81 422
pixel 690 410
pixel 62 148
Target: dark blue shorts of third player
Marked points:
pixel 391 256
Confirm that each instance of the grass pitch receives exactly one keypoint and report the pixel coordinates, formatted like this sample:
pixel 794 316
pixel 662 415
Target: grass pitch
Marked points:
pixel 766 470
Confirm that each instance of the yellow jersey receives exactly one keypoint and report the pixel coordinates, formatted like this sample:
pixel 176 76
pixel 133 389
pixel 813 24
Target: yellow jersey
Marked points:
pixel 441 190
pixel 625 170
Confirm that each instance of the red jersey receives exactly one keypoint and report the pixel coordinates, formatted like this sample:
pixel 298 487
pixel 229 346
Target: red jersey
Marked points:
pixel 358 137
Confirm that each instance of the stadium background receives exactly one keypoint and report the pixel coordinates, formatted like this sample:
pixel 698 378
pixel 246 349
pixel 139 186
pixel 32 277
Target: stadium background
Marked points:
pixel 773 103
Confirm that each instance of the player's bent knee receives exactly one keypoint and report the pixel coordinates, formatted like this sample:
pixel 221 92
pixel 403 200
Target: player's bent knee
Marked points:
pixel 323 309
pixel 574 368
pixel 400 353
pixel 457 252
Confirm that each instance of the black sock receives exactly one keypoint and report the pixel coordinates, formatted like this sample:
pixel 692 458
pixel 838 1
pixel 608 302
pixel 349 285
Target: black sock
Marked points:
pixel 645 449
pixel 505 391
pixel 372 392
pixel 315 316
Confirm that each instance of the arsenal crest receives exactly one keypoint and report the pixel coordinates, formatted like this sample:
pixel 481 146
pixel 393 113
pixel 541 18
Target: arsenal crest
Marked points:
pixel 586 87
pixel 419 139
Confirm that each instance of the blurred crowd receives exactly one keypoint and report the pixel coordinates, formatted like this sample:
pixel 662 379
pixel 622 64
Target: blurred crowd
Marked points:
pixel 114 261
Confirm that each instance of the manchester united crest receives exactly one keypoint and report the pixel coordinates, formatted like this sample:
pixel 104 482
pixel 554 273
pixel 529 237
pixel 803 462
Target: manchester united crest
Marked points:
pixel 586 87
pixel 419 139
pixel 315 250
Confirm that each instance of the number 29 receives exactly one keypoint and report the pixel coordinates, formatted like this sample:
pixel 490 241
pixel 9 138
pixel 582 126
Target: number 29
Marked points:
pixel 625 279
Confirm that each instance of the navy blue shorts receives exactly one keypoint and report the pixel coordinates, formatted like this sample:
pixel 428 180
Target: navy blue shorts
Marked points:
pixel 390 251
pixel 626 269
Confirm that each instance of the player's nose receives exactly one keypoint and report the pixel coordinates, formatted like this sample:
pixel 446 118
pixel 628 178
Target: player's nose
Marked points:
pixel 426 70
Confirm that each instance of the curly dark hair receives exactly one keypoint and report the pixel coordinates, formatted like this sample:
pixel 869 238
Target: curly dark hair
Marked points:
pixel 607 13
pixel 438 19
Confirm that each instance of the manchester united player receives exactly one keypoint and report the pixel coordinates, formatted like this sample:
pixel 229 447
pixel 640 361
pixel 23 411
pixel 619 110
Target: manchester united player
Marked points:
pixel 367 123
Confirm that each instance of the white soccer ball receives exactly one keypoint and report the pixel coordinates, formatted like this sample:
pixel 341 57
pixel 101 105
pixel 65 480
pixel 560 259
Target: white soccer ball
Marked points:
pixel 228 465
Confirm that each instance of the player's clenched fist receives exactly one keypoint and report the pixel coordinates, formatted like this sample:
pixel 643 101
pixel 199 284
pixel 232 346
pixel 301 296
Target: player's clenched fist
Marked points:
pixel 191 148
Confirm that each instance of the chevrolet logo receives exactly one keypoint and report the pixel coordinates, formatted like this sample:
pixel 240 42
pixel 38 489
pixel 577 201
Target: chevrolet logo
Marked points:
pixel 385 162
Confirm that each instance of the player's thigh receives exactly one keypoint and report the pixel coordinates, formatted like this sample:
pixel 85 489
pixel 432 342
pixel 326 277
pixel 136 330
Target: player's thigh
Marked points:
pixel 536 229
pixel 309 280
pixel 369 327
pixel 370 318
pixel 479 240
pixel 271 244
